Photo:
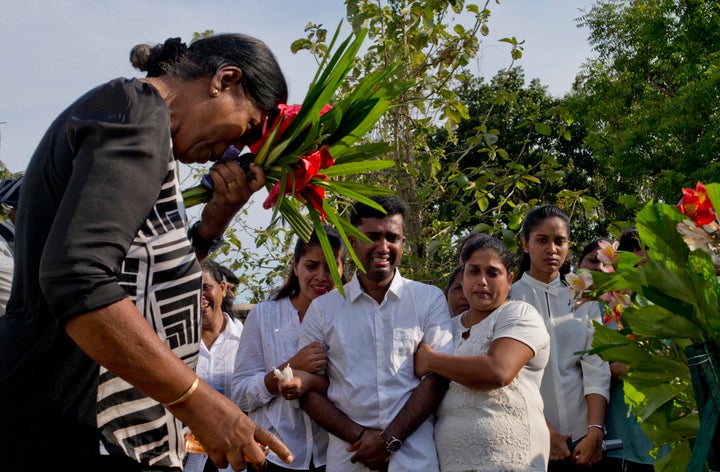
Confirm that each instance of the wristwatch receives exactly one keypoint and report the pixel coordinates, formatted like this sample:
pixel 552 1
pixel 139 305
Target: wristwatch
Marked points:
pixel 392 445
pixel 205 245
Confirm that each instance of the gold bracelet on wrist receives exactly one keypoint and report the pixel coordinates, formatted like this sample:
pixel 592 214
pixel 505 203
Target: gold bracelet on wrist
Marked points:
pixel 187 393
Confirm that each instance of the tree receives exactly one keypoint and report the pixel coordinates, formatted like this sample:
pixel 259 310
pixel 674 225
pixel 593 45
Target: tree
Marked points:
pixel 649 99
pixel 452 165
pixel 536 142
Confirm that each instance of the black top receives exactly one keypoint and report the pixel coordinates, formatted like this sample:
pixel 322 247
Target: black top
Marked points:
pixel 100 219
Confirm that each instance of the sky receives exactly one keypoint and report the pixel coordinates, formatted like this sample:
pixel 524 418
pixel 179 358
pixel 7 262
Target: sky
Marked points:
pixel 54 51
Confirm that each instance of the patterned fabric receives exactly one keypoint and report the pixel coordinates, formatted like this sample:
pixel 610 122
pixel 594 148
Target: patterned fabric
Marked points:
pixel 162 277
pixel 502 429
pixel 10 191
pixel 7 262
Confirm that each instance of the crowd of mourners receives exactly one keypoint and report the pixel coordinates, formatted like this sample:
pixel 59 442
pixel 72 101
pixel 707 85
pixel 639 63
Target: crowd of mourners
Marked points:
pixel 119 349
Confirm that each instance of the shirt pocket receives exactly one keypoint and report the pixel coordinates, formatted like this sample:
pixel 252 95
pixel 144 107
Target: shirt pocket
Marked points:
pixel 405 342
pixel 286 343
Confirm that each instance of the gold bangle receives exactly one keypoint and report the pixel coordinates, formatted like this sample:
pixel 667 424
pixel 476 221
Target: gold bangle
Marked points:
pixel 187 393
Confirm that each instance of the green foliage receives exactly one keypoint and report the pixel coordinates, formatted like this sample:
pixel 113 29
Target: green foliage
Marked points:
pixel 204 34
pixel 313 128
pixel 468 156
pixel 649 99
pixel 5 174
pixel 511 155
pixel 675 304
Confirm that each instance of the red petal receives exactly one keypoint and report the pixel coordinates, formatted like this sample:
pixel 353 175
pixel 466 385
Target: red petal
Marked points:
pixel 272 197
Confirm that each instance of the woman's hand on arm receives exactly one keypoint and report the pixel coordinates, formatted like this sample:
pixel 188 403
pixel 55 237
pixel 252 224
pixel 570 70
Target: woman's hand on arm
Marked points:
pixel 302 383
pixel 423 358
pixel 310 358
pixel 119 338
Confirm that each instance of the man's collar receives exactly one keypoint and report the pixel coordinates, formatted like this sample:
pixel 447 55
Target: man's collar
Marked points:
pixel 353 289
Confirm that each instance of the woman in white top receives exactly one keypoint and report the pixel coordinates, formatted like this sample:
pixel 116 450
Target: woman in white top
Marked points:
pixel 575 387
pixel 218 346
pixel 491 417
pixel 270 340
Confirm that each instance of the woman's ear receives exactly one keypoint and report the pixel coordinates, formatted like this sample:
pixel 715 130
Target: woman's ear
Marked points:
pixel 227 77
pixel 524 245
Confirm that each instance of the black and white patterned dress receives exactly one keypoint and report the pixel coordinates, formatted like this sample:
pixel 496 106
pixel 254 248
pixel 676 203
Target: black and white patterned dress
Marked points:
pixel 101 218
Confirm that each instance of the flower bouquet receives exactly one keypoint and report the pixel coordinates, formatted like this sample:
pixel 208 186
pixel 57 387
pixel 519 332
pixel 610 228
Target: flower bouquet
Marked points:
pixel 667 308
pixel 310 145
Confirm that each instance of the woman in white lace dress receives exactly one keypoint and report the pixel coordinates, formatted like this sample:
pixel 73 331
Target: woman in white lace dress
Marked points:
pixel 491 418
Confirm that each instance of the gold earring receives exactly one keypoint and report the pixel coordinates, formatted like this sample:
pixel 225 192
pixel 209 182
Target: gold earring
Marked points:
pixel 214 92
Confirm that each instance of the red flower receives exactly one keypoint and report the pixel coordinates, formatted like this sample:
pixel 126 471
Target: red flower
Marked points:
pixel 307 169
pixel 697 205
pixel 284 118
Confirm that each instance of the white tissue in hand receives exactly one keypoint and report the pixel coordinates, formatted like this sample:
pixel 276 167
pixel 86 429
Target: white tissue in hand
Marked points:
pixel 286 375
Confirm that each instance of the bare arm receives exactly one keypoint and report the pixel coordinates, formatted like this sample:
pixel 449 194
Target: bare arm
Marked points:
pixel 497 369
pixel 119 338
pixel 422 403
pixel 329 417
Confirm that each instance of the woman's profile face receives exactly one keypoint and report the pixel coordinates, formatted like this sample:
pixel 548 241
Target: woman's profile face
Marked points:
pixel 203 130
pixel 591 261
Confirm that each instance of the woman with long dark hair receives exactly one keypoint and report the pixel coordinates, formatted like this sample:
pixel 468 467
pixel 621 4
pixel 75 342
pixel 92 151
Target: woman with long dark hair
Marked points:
pixel 575 386
pixel 270 341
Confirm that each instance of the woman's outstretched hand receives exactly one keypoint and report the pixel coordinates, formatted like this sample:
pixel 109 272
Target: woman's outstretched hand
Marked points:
pixel 228 436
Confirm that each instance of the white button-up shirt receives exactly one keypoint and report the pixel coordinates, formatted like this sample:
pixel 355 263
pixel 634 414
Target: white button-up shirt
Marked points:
pixel 370 350
pixel 270 337
pixel 215 366
pixel 568 377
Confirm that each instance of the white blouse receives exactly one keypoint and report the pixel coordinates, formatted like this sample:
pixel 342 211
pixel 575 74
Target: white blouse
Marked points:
pixel 270 338
pixel 568 376
pixel 215 366
pixel 503 428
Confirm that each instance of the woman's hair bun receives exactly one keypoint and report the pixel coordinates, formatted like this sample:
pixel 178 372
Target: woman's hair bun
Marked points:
pixel 156 60
pixel 139 56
